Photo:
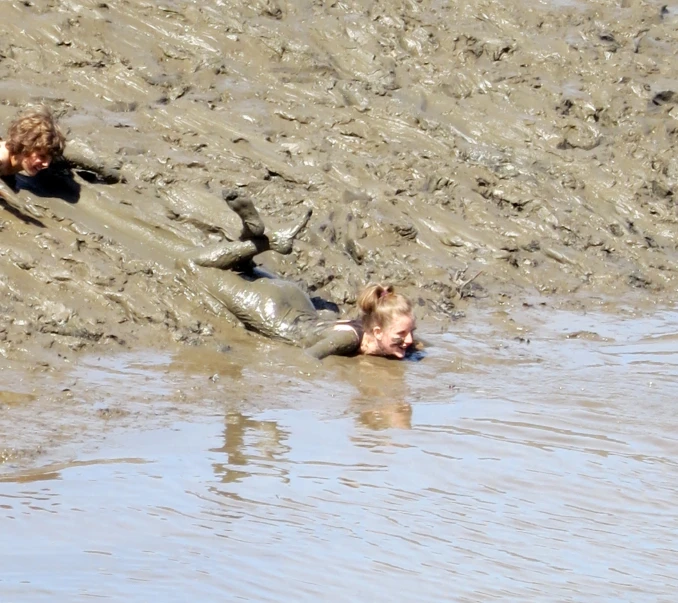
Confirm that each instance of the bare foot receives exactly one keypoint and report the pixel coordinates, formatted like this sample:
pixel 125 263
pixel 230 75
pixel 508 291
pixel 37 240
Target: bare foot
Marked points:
pixel 252 224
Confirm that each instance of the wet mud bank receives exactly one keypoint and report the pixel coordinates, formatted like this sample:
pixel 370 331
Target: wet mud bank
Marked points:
pixel 473 154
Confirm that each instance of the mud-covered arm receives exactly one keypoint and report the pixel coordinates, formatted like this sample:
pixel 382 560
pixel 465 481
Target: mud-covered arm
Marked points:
pixel 22 206
pixel 79 155
pixel 335 342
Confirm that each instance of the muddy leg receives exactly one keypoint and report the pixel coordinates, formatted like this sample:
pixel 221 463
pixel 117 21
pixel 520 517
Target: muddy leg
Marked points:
pixel 282 240
pixel 225 255
pixel 252 224
pixel 231 253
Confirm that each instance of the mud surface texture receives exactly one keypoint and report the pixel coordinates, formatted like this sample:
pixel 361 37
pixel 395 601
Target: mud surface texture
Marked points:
pixel 468 152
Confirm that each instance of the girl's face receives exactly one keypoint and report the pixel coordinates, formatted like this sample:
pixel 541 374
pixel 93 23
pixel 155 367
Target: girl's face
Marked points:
pixel 35 162
pixel 396 337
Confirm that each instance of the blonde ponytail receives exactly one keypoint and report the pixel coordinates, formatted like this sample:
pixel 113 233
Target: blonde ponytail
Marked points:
pixel 380 304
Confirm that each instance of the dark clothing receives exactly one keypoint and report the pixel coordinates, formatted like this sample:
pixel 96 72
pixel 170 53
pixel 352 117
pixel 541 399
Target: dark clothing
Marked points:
pixel 281 310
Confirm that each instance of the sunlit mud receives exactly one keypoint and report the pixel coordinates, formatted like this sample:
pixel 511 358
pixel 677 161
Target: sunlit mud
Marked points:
pixel 467 152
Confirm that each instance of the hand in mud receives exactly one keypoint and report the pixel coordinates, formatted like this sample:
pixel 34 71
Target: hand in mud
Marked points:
pixel 23 207
pixel 31 210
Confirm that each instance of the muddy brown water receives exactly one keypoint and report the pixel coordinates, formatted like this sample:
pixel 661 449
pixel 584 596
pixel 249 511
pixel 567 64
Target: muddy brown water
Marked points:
pixel 531 456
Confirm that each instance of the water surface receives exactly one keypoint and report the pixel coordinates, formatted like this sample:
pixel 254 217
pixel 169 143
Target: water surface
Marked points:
pixel 527 458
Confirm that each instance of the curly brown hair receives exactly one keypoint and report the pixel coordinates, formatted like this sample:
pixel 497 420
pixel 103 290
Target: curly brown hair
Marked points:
pixel 35 131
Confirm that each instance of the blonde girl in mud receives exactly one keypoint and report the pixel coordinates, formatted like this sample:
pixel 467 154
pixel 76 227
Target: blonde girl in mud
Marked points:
pixel 281 310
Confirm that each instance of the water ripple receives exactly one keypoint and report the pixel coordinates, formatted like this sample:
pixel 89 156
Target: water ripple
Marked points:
pixel 547 476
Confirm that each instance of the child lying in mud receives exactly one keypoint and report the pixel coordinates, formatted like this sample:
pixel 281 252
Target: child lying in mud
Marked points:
pixel 280 309
pixel 34 142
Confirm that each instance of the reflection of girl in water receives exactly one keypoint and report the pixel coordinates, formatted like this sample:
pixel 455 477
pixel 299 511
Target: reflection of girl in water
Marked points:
pixel 280 309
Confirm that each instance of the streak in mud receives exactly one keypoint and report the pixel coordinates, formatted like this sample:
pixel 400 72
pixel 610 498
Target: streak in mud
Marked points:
pixel 525 146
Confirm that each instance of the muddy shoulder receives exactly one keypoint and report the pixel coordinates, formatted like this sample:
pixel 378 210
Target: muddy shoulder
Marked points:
pixel 472 154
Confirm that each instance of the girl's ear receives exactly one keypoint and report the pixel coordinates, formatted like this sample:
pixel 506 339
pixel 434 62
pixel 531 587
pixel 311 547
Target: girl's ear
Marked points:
pixel 378 333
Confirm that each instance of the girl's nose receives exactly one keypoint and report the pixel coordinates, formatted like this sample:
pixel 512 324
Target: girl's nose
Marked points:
pixel 409 339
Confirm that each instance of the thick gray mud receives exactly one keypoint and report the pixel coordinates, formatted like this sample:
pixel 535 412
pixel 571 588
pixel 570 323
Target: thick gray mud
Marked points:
pixel 468 152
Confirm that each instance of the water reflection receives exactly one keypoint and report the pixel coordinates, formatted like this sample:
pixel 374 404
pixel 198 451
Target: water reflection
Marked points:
pixel 247 444
pixel 382 393
pixel 547 473
pixel 394 415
